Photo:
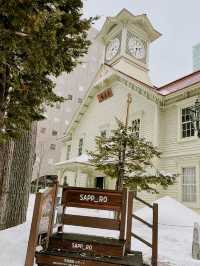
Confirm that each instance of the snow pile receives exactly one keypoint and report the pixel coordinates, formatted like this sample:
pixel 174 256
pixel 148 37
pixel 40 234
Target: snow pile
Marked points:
pixel 175 234
pixel 14 241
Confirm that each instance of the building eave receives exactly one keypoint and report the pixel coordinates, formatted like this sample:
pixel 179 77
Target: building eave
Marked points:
pixel 124 17
pixel 184 93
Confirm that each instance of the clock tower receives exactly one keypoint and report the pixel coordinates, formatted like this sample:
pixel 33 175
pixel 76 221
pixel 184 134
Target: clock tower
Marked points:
pixel 126 39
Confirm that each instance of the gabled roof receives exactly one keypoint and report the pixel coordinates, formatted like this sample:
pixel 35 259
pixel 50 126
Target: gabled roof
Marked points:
pixel 153 93
pixel 106 73
pixel 126 16
pixel 180 83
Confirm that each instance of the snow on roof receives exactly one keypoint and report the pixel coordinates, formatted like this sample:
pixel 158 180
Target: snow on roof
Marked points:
pixel 82 159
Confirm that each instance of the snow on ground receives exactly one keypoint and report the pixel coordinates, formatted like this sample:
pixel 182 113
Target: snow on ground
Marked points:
pixel 175 234
pixel 13 241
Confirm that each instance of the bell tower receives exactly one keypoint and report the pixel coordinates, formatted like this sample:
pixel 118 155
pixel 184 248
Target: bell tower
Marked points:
pixel 126 39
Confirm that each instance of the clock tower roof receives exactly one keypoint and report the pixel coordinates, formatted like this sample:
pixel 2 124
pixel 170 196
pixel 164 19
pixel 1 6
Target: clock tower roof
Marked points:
pixel 126 17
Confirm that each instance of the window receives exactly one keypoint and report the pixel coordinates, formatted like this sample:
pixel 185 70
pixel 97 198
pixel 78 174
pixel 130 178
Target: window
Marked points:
pixel 68 152
pixel 69 97
pixel 136 127
pixel 103 133
pixel 43 130
pixel 187 125
pixel 99 182
pixel 58 105
pixel 54 133
pixel 65 181
pixel 80 147
pixel 189 184
pixel 80 100
pixel 53 146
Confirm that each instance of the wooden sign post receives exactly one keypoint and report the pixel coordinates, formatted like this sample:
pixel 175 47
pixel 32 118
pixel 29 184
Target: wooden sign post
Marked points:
pixel 67 248
pixel 42 221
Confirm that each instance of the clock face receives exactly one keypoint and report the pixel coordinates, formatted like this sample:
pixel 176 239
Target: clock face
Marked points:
pixel 112 49
pixel 136 48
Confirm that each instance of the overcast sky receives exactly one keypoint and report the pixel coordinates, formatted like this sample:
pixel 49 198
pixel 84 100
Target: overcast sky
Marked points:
pixel 177 20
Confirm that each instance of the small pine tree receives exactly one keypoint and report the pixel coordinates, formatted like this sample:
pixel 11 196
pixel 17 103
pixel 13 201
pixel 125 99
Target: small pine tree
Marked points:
pixel 128 158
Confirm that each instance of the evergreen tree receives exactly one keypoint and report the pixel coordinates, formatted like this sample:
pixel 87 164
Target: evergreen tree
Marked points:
pixel 39 39
pixel 129 159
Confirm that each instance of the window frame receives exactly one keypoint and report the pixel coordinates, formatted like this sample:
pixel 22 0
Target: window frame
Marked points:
pixel 102 132
pixel 80 153
pixel 43 130
pixel 106 128
pixel 189 164
pixel 52 145
pixel 186 123
pixel 191 184
pixel 68 151
pixel 184 104
pixel 137 133
pixel 54 132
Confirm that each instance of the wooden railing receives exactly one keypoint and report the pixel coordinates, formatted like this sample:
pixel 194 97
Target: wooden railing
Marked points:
pixel 153 226
pixel 42 221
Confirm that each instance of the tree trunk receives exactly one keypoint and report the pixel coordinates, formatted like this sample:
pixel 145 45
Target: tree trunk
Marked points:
pixel 16 172
pixel 6 155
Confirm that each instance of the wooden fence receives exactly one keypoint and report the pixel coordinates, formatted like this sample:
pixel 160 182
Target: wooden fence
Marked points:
pixel 42 221
pixel 153 226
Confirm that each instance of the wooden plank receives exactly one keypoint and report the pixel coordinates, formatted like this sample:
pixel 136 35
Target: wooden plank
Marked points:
pixel 107 191
pixel 123 214
pixel 90 247
pixel 155 235
pixel 32 243
pixel 94 222
pixel 42 221
pixel 129 221
pixel 144 202
pixel 75 259
pixel 141 220
pixel 142 240
pixel 92 198
pixel 52 261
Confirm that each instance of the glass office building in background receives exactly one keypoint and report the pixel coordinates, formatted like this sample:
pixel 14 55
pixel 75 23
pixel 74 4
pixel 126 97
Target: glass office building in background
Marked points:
pixel 196 57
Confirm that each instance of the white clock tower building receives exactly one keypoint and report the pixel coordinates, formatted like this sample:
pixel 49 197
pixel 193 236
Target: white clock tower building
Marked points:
pixel 127 38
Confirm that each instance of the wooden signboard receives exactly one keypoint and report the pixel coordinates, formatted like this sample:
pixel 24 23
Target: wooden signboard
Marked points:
pixel 92 198
pixel 42 221
pixel 86 244
pixel 104 95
